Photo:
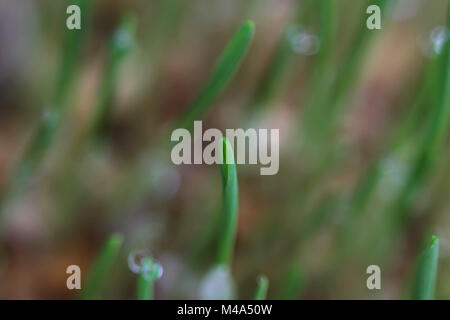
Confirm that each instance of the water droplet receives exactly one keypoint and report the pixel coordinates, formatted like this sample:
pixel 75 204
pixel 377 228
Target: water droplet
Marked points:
pixel 303 41
pixel 50 115
pixel 393 175
pixel 136 262
pixel 123 41
pixel 152 271
pixel 439 36
pixel 433 44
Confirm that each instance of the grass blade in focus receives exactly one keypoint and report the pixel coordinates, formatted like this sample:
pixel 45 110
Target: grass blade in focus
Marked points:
pixel 230 205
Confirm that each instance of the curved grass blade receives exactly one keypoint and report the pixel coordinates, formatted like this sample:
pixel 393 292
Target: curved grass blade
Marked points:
pixel 426 272
pixel 261 290
pixel 99 272
pixel 224 70
pixel 230 205
pixel 150 271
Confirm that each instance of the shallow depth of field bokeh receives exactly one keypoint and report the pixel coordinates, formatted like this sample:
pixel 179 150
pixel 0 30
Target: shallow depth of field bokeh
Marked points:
pixel 353 106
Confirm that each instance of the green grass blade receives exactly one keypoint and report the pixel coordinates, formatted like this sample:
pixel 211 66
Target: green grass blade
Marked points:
pixel 426 272
pixel 164 21
pixel 71 53
pixel 438 127
pixel 322 66
pixel 432 141
pixel 224 70
pixel 145 283
pixel 121 45
pixel 230 206
pixel 328 14
pixel 273 76
pixel 99 272
pixel 261 290
pixel 292 283
pixel 53 115
pixel 352 65
pixel 150 271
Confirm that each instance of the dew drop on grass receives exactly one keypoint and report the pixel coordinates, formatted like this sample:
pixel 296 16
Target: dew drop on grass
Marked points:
pixel 123 40
pixel 439 36
pixel 303 41
pixel 136 260
pixel 393 174
pixel 152 271
pixel 433 44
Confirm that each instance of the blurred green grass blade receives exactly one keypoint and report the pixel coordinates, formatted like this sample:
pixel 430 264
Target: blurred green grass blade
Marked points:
pixel 121 45
pixel 325 108
pixel 328 13
pixel 280 63
pixel 146 278
pixel 426 272
pixel 227 232
pixel 272 78
pixel 432 142
pixel 53 114
pixel 352 65
pixel 413 123
pixel 322 67
pixel 438 127
pixel 278 67
pixel 224 70
pixel 99 272
pixel 407 128
pixel 71 53
pixel 261 290
pixel 292 283
pixel 163 22
pixel 206 239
